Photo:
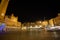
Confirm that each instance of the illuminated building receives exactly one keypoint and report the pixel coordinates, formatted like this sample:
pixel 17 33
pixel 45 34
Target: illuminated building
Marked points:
pixel 57 20
pixel 44 23
pixel 32 24
pixel 13 18
pixel 27 24
pixel 9 21
pixel 51 22
pixel 39 23
pixel 3 7
pixel 12 21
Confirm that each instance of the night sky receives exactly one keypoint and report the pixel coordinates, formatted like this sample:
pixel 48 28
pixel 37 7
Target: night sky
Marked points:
pixel 32 11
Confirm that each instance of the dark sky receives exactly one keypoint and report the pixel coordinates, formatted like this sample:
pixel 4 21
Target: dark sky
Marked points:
pixel 0 1
pixel 32 11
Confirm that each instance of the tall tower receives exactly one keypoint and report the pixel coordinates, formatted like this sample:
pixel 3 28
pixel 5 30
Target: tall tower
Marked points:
pixel 3 8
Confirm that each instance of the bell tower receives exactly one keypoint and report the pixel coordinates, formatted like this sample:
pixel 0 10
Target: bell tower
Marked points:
pixel 3 8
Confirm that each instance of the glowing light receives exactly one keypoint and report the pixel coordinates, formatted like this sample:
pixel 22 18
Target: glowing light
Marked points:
pixel 30 26
pixel 23 28
pixel 2 14
pixel 39 21
pixel 51 22
pixel 40 25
